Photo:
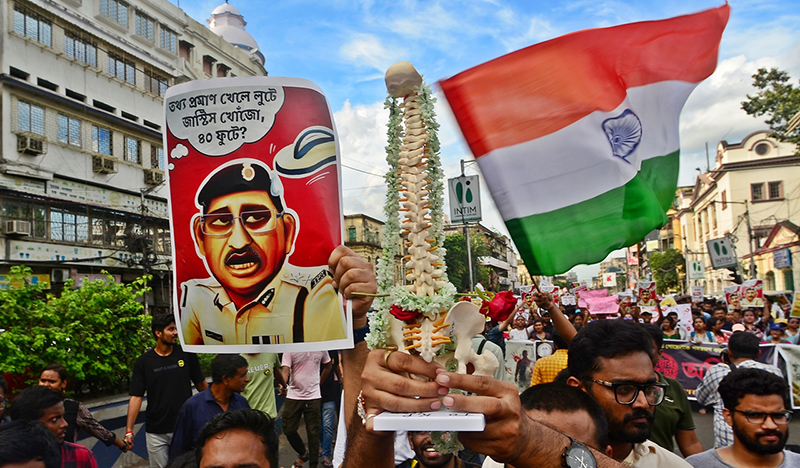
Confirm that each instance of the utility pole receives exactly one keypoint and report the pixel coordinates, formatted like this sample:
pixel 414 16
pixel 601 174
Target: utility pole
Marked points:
pixel 750 239
pixel 466 234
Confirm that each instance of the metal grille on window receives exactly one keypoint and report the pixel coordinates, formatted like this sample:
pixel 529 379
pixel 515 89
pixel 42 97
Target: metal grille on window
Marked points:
pixel 101 140
pixel 758 190
pixel 30 25
pixel 144 26
pixel 774 190
pixel 132 150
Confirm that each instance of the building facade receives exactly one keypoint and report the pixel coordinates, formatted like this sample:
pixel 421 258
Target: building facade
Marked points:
pixel 502 260
pixel 83 166
pixel 750 196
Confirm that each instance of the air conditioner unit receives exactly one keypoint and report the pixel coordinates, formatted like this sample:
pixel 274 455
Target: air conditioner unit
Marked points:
pixel 153 177
pixel 29 145
pixel 104 165
pixel 18 228
pixel 59 275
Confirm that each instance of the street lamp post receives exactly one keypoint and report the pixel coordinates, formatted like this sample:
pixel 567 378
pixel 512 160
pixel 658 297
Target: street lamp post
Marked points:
pixel 750 239
pixel 466 234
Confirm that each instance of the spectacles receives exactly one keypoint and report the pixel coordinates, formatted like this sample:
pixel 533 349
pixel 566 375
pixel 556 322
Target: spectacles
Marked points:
pixel 758 417
pixel 256 221
pixel 626 393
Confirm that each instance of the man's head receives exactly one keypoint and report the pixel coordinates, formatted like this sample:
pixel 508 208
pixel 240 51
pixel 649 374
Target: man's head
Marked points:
pixel 644 295
pixel 613 361
pixel 54 376
pixel 646 316
pixel 750 294
pixel 744 345
pixel 422 445
pixel 243 232
pixel 756 403
pixel 163 327
pixel 720 312
pixel 707 306
pixel 41 404
pixel 230 371
pixel 569 411
pixel 243 437
pixel 733 299
pixel 559 342
pixel 737 316
pixel 793 323
pixel 545 317
pixel 28 444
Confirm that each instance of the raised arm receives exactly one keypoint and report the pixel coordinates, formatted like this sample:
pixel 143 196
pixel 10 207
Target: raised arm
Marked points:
pixel 563 326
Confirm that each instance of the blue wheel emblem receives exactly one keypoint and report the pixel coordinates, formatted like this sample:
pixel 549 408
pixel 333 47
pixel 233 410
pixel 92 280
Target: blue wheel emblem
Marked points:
pixel 624 133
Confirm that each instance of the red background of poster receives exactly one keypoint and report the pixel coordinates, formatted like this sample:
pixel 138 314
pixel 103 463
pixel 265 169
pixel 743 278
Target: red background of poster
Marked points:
pixel 317 204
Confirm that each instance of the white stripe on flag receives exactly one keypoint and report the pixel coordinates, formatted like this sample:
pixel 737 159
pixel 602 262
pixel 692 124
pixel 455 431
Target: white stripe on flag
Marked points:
pixel 576 163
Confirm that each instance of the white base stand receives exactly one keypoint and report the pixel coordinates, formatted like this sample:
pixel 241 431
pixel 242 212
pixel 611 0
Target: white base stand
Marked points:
pixel 433 421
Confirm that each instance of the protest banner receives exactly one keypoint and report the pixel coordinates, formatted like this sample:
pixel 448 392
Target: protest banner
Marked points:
pixel 751 294
pixel 602 305
pixel 697 294
pixel 255 200
pixel 583 295
pixel 568 299
pixel 520 358
pixel 791 367
pixel 646 294
pixel 688 363
pixel 732 296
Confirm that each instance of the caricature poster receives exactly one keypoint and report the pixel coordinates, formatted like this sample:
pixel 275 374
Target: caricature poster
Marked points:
pixel 647 294
pixel 255 211
pixel 732 296
pixel 752 294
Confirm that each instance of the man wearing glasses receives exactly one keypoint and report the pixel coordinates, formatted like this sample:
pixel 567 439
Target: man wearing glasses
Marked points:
pixel 755 408
pixel 612 361
pixel 244 233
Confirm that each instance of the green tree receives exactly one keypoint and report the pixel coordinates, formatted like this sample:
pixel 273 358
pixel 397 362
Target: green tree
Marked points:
pixel 456 258
pixel 96 331
pixel 668 269
pixel 777 99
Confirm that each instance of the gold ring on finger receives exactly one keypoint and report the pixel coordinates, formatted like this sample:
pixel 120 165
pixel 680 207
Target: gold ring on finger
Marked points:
pixel 386 357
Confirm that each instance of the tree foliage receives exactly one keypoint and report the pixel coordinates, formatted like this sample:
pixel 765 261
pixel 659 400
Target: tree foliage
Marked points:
pixel 456 259
pixel 96 331
pixel 777 99
pixel 668 269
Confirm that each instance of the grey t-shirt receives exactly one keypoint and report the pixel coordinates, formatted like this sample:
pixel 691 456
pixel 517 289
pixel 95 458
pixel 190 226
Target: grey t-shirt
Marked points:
pixel 710 459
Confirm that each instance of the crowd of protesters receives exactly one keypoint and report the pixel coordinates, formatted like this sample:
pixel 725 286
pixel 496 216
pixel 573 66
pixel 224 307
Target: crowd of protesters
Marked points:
pixel 597 399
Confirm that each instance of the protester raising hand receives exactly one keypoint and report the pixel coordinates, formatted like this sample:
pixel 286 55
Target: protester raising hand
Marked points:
pixel 563 326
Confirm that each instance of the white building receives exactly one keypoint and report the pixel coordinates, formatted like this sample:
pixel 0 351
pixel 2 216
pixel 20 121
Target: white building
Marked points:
pixel 82 170
pixel 753 183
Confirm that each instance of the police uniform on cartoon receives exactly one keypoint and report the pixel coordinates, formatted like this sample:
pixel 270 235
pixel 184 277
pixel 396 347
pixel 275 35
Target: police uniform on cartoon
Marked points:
pixel 244 233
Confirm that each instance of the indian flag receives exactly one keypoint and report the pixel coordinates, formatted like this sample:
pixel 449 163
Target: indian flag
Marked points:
pixel 577 137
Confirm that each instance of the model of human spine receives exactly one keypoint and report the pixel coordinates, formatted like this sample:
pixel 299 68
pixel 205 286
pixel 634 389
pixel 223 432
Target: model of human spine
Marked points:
pixel 419 317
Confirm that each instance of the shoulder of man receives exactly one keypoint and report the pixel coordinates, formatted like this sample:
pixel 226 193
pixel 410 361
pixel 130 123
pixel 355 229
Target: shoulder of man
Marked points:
pixel 311 278
pixel 708 458
pixel 77 453
pixel 668 459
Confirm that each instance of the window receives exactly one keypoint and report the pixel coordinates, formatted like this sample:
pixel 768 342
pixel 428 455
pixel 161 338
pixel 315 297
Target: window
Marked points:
pixel 222 71
pixel 19 210
pixel 713 215
pixel 169 40
pixel 81 50
pixel 208 64
pixel 351 234
pixel 757 192
pixel 185 51
pixel 31 25
pixel 724 197
pixel 108 229
pixel 31 118
pixel 155 83
pixel 117 11
pixel 157 157
pixel 102 141
pixel 121 68
pixel 762 149
pixel 775 190
pixel 145 26
pixel 68 227
pixel 69 130
pixel 132 146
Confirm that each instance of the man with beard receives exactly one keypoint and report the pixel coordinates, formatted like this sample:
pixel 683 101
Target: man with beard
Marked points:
pixel 228 380
pixel 44 405
pixel 756 403
pixel 612 360
pixel 165 373
pixel 427 457
pixel 743 350
pixel 245 234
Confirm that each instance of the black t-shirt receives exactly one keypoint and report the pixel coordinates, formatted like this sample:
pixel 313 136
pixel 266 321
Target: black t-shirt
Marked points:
pixel 168 382
pixel 331 388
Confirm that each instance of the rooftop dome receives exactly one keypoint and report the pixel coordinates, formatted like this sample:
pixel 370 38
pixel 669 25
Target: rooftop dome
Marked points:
pixel 229 23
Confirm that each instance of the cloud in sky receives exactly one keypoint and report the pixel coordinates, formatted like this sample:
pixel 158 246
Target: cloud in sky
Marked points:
pixel 345 47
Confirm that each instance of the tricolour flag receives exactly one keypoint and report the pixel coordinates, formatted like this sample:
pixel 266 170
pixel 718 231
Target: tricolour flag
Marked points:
pixel 577 137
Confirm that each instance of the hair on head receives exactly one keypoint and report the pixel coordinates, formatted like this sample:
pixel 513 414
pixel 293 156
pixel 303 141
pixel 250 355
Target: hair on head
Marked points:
pixel 551 397
pixel 605 339
pixel 751 381
pixel 23 441
pixel 257 422
pixel 32 402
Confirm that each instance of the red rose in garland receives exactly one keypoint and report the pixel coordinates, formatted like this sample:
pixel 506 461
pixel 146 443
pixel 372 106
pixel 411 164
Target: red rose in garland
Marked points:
pixel 401 314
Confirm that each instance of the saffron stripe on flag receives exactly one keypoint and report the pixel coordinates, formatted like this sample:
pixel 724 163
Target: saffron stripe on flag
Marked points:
pixel 545 87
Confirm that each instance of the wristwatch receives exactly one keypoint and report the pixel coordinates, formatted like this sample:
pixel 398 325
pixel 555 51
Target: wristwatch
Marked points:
pixel 577 455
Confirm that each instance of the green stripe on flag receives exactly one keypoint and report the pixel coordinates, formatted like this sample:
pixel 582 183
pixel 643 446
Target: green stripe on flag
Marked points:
pixel 552 243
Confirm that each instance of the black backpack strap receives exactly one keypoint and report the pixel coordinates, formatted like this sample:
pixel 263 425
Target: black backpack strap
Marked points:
pixel 71 416
pixel 480 346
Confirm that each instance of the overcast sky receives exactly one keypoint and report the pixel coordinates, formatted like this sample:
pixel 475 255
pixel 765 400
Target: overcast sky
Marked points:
pixel 345 47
